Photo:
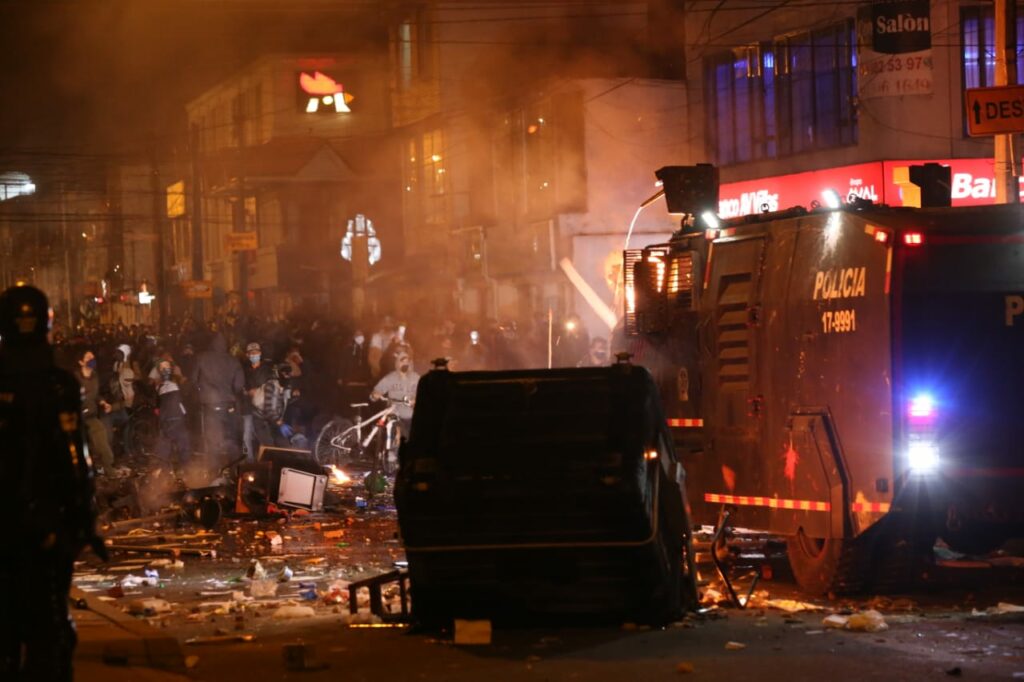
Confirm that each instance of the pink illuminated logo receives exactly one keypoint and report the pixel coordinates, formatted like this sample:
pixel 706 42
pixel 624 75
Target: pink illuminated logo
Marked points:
pixel 324 94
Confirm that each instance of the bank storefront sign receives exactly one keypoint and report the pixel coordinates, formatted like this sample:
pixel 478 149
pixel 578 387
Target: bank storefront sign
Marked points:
pixel 894 42
pixel 973 184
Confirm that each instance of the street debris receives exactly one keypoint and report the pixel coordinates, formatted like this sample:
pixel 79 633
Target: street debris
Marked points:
pixel 294 611
pixel 684 668
pixel 788 605
pixel 220 639
pixel 735 646
pixel 862 621
pixel 1002 611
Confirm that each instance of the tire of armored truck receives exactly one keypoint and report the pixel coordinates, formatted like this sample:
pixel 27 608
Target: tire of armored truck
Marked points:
pixel 829 565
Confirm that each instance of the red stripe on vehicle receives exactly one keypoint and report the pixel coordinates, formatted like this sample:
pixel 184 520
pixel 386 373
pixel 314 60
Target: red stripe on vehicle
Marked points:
pixel 875 507
pixel 888 269
pixel 686 423
pixel 770 502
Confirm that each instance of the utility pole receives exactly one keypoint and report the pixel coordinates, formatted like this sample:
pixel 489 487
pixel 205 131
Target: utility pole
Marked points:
pixel 1007 187
pixel 238 215
pixel 197 219
pixel 67 256
pixel 160 223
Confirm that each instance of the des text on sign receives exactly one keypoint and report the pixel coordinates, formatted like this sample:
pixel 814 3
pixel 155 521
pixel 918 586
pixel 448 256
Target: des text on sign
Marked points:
pixel 995 111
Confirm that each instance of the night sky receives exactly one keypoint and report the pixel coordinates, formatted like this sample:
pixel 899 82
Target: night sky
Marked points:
pixel 112 76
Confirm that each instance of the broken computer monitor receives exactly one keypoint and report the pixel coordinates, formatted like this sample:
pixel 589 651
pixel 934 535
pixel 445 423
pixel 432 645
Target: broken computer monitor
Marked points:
pixel 301 489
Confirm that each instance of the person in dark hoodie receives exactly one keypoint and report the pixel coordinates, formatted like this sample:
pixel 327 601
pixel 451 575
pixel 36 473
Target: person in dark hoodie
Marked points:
pixel 218 378
pixel 48 504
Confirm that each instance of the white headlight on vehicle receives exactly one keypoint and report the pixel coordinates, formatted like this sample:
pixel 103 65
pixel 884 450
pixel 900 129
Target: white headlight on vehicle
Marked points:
pixel 923 456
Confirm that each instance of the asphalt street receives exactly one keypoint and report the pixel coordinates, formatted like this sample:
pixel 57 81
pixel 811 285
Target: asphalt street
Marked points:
pixel 252 589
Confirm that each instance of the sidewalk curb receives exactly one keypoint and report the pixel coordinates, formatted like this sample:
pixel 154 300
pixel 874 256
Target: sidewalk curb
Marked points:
pixel 108 635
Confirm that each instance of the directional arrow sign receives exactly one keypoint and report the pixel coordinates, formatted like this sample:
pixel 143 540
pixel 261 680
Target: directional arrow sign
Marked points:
pixel 995 111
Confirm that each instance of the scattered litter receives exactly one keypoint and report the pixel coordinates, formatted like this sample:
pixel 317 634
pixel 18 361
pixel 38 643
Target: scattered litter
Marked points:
pixel 792 605
pixel 734 646
pixel 1001 611
pixel 275 539
pixel 362 618
pixel 220 639
pixel 148 607
pixel 684 668
pixel 286 574
pixel 835 621
pixel 256 570
pixel 472 632
pixel 191 661
pixel 130 581
pixel 294 611
pixel 862 621
pixel 261 589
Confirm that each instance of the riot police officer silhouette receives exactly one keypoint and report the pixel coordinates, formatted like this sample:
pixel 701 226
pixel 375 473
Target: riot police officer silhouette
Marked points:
pixel 48 503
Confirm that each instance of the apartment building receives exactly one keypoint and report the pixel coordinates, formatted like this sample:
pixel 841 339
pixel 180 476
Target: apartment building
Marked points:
pixel 788 101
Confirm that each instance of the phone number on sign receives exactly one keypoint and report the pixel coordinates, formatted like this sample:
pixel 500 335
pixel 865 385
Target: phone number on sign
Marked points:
pixel 894 64
pixel 839 321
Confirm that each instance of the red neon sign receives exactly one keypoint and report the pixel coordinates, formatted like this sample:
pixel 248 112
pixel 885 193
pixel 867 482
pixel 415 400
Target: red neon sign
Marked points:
pixel 973 184
pixel 319 84
pixel 319 93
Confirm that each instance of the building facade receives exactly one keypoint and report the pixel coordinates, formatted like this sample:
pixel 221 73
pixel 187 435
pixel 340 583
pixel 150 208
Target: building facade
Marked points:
pixel 289 151
pixel 842 94
pixel 529 137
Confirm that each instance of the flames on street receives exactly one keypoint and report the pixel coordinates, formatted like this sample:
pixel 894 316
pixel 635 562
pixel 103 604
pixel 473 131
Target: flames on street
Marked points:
pixel 338 476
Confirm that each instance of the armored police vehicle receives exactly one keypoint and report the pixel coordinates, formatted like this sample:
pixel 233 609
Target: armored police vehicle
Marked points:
pixel 851 379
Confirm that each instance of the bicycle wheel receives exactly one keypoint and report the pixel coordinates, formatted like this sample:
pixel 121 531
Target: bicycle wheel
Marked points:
pixel 340 454
pixel 140 435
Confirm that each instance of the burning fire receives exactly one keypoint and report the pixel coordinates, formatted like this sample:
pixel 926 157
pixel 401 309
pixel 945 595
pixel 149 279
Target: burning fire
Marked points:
pixel 337 475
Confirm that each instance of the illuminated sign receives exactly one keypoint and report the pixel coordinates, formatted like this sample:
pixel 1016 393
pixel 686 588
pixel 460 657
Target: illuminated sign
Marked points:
pixel 995 111
pixel 241 241
pixel 361 227
pixel 176 199
pixel 973 184
pixel 319 93
pixel 15 184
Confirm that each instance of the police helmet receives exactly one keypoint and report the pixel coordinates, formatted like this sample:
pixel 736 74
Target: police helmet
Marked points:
pixel 25 316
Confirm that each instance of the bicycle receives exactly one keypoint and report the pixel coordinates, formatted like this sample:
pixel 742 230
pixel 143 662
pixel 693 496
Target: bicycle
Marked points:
pixel 366 443
pixel 141 432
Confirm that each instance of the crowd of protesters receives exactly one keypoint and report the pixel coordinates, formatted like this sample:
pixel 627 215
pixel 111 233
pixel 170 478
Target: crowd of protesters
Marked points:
pixel 226 387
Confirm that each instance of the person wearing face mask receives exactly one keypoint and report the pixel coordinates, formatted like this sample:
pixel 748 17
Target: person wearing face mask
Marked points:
pixel 94 408
pixel 173 429
pixel 597 356
pixel 354 371
pixel 255 429
pixel 399 385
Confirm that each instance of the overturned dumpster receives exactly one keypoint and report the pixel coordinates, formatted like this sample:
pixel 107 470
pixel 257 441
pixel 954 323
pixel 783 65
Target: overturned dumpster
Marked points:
pixel 543 496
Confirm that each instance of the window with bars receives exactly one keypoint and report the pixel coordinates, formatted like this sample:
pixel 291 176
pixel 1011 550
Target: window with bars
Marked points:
pixel 425 195
pixel 792 95
pixel 978 40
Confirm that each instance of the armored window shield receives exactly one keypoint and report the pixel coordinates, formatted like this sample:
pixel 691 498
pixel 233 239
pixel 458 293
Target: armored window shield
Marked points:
pixel 657 282
pixel 630 257
pixel 680 281
pixel 651 280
